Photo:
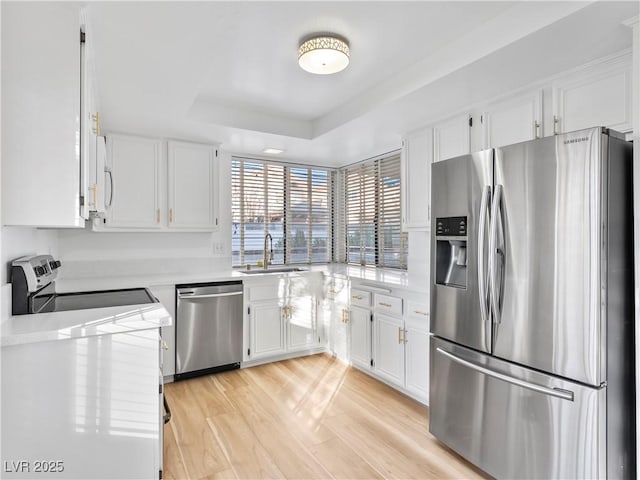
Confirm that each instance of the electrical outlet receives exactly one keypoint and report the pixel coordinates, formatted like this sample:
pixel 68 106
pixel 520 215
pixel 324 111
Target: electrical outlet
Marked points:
pixel 218 248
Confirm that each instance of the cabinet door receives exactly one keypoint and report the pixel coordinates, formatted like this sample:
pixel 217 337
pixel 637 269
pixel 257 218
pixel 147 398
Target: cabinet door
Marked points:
pixel 600 96
pixel 513 120
pixel 192 173
pixel 41 82
pixel 389 348
pixel 267 329
pixel 417 153
pixel 451 138
pixel 416 349
pixel 337 301
pixel 301 323
pixel 136 171
pixel 167 296
pixel 360 321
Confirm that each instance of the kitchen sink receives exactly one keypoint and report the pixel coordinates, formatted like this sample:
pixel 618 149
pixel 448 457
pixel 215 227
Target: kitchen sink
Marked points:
pixel 273 270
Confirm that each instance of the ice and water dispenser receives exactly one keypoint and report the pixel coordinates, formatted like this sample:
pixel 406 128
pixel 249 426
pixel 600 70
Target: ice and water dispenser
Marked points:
pixel 451 251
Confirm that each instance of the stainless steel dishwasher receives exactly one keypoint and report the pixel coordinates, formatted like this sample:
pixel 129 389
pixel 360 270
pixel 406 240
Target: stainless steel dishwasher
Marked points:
pixel 208 328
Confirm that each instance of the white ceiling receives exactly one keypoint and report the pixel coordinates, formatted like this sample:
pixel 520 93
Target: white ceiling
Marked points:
pixel 227 71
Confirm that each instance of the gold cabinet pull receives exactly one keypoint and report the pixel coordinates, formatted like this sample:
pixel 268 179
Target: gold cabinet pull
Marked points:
pixel 357 297
pixel 404 336
pixel 96 123
pixel 399 335
pixel 158 216
pixel 95 195
pixel 388 305
pixel 420 312
pixel 171 215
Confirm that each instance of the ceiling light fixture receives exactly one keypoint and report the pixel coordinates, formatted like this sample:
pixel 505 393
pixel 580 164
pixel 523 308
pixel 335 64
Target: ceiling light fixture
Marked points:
pixel 273 151
pixel 323 54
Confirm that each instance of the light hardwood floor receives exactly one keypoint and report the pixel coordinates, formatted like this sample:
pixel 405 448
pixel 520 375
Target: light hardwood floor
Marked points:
pixel 310 417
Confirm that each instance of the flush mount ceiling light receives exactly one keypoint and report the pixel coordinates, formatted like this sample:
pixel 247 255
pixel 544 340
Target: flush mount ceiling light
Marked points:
pixel 323 54
pixel 272 151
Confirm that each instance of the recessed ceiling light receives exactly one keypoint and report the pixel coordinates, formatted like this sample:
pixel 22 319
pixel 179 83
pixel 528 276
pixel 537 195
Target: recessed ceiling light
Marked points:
pixel 324 54
pixel 273 151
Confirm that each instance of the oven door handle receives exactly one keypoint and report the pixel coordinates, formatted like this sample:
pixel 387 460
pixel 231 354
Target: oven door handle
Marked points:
pixel 167 416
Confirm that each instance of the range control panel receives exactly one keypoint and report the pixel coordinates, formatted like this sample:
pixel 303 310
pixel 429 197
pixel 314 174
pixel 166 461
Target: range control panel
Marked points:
pixel 451 226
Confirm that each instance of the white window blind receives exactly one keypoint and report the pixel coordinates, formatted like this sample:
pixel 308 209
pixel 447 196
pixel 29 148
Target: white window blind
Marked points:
pixel 372 221
pixel 293 203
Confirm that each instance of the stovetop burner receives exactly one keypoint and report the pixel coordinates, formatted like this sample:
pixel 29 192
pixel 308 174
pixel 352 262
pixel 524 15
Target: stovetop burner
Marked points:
pixel 33 290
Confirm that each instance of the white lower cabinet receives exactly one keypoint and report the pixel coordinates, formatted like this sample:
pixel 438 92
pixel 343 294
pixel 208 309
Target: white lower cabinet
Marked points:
pixel 83 407
pixel 336 307
pixel 416 350
pixel 301 322
pixel 360 323
pixel 281 315
pixel 389 348
pixel 401 343
pixel 267 329
pixel 166 294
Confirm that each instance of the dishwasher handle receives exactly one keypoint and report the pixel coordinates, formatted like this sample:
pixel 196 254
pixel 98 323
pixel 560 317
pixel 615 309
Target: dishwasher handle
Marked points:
pixel 191 295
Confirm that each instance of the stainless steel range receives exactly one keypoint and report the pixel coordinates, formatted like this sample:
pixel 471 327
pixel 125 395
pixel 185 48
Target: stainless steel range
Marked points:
pixel 33 290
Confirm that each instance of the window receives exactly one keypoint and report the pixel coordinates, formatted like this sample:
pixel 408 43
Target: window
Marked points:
pixel 372 217
pixel 291 202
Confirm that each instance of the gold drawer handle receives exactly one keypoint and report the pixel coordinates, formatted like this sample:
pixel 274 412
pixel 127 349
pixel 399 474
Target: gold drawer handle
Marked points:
pixel 385 304
pixel 420 312
pixel 357 297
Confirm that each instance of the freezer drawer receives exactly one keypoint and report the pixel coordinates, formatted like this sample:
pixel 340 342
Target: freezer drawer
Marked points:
pixel 514 422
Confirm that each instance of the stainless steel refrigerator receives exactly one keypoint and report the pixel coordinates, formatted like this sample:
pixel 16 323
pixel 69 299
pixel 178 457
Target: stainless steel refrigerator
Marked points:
pixel 532 324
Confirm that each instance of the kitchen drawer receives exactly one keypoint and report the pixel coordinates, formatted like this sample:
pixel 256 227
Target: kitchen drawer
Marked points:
pixel 263 292
pixel 387 304
pixel 417 310
pixel 360 298
pixel 417 315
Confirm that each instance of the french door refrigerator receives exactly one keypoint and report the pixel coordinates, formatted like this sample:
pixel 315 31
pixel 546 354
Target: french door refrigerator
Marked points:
pixel 532 361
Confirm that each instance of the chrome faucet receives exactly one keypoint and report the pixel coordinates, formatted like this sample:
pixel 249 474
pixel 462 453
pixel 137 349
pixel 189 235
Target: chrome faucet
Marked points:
pixel 267 258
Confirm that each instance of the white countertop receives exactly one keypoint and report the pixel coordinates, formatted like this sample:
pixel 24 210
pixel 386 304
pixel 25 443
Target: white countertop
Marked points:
pixel 43 327
pixel 383 276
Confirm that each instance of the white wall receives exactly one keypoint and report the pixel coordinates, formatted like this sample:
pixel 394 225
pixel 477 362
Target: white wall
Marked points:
pixel 20 241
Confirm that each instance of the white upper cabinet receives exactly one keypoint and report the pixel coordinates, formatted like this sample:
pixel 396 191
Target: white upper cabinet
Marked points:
pixel 513 120
pixel 417 153
pixel 144 190
pixel 599 95
pixel 191 185
pixel 135 174
pixel 41 82
pixel 451 138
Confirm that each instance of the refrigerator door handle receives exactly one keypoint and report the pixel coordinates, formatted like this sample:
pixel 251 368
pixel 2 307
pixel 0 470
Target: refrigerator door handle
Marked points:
pixel 554 392
pixel 483 284
pixel 496 255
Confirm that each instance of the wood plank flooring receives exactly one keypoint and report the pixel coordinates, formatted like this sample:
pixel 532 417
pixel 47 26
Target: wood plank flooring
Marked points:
pixel 311 417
